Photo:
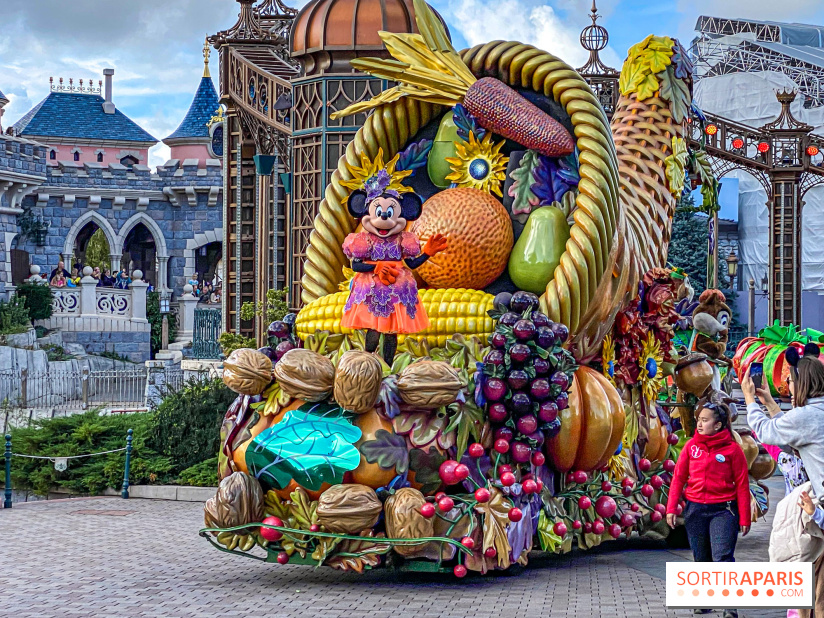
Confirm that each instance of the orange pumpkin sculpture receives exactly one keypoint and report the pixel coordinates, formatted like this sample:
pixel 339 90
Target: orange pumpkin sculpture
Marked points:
pixel 656 447
pixel 591 427
pixel 371 474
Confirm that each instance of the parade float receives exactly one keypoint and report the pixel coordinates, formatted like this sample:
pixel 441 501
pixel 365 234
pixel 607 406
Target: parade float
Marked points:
pixel 479 367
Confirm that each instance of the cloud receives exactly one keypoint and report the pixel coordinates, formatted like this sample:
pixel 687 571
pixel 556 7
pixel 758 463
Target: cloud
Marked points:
pixel 528 21
pixel 153 45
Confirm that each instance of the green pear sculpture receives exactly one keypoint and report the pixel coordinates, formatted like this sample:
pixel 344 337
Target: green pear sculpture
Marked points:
pixel 443 147
pixel 539 249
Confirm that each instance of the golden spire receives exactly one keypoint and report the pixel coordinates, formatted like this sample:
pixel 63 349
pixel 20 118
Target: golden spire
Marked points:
pixel 206 51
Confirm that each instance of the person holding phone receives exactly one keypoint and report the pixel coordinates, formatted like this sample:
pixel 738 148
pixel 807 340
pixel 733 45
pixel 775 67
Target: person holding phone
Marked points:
pixel 801 428
pixel 713 468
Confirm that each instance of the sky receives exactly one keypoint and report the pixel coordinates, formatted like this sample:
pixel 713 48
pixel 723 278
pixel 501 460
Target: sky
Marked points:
pixel 155 46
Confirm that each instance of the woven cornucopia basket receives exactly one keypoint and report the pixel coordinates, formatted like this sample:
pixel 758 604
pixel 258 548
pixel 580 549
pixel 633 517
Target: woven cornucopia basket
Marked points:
pixel 582 293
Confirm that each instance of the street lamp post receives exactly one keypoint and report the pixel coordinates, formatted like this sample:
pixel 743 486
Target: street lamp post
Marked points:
pixel 751 309
pixel 165 298
pixel 732 267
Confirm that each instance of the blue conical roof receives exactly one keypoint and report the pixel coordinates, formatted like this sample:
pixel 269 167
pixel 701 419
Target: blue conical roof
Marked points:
pixel 2 96
pixel 201 110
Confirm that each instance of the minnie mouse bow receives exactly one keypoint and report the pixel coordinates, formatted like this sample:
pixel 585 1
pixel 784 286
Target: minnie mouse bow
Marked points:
pixel 792 356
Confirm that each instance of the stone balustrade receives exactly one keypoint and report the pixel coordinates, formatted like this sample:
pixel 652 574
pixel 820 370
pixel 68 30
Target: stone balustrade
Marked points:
pixel 88 301
pixel 101 319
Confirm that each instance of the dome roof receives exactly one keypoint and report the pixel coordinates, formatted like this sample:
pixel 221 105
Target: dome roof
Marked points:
pixel 349 25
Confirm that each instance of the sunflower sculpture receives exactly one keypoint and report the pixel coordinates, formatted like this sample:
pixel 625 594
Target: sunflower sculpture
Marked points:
pixel 650 362
pixel 479 164
pixel 608 358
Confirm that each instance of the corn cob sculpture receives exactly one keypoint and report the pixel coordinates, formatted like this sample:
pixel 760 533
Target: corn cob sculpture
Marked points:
pixel 453 311
pixel 630 173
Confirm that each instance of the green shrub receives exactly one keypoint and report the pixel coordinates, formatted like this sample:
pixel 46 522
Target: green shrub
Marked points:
pixel 203 474
pixel 97 251
pixel 156 322
pixel 229 342
pixel 56 353
pixel 187 422
pixel 176 443
pixel 14 317
pixel 38 300
pixel 275 308
pixel 115 356
pixel 81 434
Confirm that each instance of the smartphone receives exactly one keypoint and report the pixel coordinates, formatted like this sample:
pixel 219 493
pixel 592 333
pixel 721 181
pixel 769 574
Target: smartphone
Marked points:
pixel 757 373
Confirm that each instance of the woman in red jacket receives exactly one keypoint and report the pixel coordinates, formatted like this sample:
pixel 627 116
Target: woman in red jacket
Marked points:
pixel 714 469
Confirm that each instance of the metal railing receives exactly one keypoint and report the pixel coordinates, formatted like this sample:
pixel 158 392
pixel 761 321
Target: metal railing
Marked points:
pixel 206 333
pixel 120 389
pixel 61 463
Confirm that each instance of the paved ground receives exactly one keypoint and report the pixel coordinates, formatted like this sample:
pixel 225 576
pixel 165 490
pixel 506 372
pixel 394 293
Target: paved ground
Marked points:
pixel 106 557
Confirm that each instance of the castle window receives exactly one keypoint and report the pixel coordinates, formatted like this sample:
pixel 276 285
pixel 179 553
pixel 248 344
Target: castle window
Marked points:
pixel 77 156
pixel 100 157
pixel 52 154
pixel 128 161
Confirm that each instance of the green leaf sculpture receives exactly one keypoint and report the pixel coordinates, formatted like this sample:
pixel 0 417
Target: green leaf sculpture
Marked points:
pixel 314 444
pixel 521 189
pixel 388 450
pixel 425 466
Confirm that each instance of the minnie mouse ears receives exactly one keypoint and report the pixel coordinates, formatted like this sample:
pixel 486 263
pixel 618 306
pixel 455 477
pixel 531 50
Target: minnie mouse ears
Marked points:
pixel 792 356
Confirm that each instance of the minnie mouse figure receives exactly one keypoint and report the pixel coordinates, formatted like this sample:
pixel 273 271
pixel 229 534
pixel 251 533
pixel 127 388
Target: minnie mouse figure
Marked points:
pixel 384 295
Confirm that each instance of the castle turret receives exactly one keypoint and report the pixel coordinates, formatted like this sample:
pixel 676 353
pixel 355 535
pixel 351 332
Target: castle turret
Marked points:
pixel 3 102
pixel 192 138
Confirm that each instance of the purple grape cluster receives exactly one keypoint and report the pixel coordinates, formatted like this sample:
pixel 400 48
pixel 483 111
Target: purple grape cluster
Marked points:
pixel 526 376
pixel 281 338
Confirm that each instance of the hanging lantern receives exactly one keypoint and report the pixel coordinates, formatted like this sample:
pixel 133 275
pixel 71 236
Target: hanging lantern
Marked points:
pixel 711 129
pixel 812 151
pixel 763 147
pixel 738 143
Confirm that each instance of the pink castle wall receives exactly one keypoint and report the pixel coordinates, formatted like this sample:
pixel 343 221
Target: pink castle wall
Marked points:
pixel 191 151
pixel 89 154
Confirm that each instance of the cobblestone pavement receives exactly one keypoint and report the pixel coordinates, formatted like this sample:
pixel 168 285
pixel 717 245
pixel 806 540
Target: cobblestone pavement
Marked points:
pixel 106 557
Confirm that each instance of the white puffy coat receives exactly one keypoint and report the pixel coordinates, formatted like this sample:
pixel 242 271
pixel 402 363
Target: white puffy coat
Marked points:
pixel 795 537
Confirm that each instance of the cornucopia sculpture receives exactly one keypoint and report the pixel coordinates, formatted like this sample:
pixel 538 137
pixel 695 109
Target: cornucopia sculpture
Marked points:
pixel 628 172
pixel 494 429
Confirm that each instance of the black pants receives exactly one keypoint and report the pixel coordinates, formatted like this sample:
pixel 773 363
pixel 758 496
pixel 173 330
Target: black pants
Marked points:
pixel 712 530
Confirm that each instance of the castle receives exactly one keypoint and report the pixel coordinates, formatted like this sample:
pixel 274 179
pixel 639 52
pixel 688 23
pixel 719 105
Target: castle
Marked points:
pixel 75 164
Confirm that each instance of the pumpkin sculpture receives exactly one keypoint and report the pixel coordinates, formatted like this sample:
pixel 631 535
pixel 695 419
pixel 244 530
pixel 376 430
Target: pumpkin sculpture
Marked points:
pixel 770 348
pixel 591 427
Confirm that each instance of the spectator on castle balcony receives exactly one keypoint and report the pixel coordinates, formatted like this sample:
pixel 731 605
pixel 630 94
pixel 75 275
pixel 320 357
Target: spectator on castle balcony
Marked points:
pixel 122 281
pixel 74 280
pixel 106 279
pixel 195 283
pixel 58 281
pixel 97 274
pixel 61 268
